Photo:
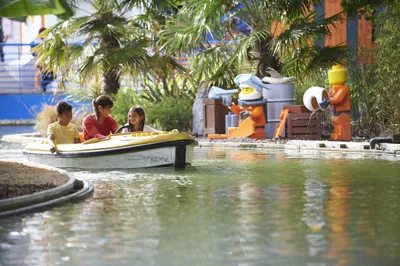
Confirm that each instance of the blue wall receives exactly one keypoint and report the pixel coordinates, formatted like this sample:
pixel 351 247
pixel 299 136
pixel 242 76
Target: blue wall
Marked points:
pixel 26 106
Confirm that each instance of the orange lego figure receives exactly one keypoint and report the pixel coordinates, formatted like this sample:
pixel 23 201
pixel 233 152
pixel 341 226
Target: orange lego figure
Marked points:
pixel 339 99
pixel 252 119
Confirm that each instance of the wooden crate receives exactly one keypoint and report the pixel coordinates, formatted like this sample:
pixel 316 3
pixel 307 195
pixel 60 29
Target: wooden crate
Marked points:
pixel 300 126
pixel 214 116
pixel 296 108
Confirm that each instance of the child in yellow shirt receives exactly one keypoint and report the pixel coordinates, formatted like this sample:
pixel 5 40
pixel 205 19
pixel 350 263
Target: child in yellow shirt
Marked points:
pixel 62 131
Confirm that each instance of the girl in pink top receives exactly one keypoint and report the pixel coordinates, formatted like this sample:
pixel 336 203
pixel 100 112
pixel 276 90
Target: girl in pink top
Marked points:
pixel 99 124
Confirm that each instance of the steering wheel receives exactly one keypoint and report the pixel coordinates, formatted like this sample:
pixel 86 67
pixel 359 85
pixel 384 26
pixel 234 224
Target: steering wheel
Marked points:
pixel 121 128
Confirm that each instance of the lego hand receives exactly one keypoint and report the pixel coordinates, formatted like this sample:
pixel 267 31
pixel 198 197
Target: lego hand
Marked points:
pixel 235 109
pixel 227 100
pixel 244 115
pixel 324 103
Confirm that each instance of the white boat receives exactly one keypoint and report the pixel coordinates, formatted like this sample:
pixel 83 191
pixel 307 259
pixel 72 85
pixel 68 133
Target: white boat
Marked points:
pixel 118 151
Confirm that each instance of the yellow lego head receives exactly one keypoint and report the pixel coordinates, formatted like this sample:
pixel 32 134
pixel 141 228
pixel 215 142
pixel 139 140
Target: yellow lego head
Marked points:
pixel 337 75
pixel 248 92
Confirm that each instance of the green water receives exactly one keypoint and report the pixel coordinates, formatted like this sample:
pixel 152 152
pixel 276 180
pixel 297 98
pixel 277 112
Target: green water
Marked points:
pixel 232 207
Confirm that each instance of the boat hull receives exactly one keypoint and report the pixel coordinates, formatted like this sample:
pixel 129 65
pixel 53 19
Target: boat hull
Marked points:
pixel 177 152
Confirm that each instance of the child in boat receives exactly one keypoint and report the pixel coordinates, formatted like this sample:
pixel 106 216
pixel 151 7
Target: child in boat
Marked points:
pixel 137 121
pixel 62 131
pixel 99 124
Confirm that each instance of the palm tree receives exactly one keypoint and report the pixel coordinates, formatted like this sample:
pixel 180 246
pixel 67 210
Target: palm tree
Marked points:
pixel 107 42
pixel 291 49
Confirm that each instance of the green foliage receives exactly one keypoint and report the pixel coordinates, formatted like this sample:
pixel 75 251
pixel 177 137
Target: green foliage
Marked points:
pixel 361 7
pixel 320 80
pixel 176 87
pixel 123 101
pixel 90 90
pixel 168 101
pixel 166 113
pixel 171 113
pixel 375 86
pixel 186 34
pixel 387 87
pixel 13 8
pixel 114 45
pixel 361 80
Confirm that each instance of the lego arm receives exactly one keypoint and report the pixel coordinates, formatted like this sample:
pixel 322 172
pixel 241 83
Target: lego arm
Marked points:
pixel 257 112
pixel 235 109
pixel 338 97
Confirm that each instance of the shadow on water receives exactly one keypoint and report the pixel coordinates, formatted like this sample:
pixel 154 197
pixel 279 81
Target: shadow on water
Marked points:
pixel 231 207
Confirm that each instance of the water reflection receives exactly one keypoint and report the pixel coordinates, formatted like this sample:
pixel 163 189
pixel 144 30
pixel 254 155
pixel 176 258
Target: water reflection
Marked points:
pixel 337 212
pixel 232 207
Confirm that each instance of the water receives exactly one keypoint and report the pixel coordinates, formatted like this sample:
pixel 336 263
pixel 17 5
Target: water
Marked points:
pixel 15 129
pixel 309 121
pixel 232 207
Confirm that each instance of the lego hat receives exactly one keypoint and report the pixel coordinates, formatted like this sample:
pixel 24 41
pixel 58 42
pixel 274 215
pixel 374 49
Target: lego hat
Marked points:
pixel 250 80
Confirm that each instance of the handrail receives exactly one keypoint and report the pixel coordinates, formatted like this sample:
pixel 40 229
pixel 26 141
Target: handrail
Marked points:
pixel 19 72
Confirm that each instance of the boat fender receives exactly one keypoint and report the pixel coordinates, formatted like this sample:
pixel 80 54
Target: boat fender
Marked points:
pixel 374 141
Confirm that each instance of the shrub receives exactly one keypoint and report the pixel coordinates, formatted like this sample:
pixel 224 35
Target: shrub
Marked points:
pixel 171 113
pixel 123 101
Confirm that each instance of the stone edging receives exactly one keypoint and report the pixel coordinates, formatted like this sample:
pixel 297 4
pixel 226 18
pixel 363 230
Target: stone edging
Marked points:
pixel 71 191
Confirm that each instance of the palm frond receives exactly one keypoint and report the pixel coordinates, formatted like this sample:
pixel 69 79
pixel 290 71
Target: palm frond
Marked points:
pixel 310 60
pixel 299 33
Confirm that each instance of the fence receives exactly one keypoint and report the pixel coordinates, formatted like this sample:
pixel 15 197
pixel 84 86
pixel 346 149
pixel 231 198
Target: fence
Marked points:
pixel 18 71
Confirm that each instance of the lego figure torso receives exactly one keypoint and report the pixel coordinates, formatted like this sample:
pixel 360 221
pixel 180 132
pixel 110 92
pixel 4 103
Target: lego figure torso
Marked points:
pixel 256 112
pixel 340 98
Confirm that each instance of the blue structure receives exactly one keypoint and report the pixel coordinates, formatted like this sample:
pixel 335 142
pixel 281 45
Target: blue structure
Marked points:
pixel 17 106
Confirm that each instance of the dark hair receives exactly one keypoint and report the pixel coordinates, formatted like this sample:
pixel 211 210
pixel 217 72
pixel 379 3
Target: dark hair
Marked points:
pixel 104 101
pixel 139 110
pixel 63 107
pixel 42 29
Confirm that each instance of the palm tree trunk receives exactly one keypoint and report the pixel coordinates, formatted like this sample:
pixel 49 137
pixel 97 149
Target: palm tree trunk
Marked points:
pixel 111 75
pixel 111 82
pixel 267 59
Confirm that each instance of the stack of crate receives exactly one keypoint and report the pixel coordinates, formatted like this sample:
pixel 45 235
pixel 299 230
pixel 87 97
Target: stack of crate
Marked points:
pixel 301 125
pixel 214 116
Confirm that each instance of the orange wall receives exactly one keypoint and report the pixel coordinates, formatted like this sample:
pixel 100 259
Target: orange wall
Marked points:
pixel 365 34
pixel 339 31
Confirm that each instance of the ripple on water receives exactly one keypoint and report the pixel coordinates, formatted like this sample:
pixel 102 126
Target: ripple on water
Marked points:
pixel 231 207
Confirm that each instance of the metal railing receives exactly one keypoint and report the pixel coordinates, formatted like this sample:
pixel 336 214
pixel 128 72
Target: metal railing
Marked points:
pixel 18 70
